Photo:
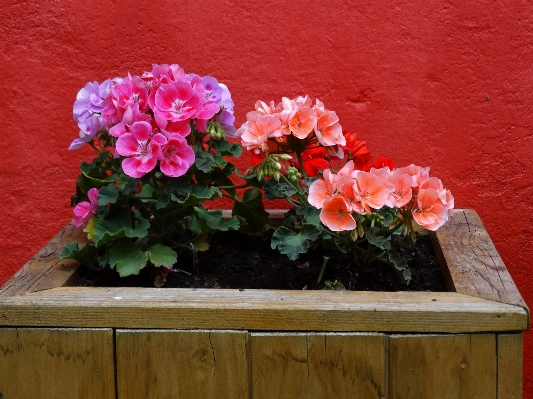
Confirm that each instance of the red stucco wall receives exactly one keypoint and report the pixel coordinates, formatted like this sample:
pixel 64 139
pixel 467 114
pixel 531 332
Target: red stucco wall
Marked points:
pixel 441 83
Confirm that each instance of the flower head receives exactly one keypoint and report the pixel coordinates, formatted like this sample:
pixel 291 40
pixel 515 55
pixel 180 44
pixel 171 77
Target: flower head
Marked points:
pixel 83 211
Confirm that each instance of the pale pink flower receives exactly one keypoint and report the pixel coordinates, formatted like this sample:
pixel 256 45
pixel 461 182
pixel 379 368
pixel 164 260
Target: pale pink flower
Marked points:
pixel 177 156
pixel 402 192
pixel 141 147
pixel 86 210
pixel 347 188
pixel 328 131
pixel 336 216
pixel 322 189
pixel 417 173
pixel 303 122
pixel 371 190
pixel 431 212
pixel 256 132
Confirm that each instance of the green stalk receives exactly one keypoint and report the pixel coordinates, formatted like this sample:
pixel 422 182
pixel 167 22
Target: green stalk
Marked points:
pixel 323 269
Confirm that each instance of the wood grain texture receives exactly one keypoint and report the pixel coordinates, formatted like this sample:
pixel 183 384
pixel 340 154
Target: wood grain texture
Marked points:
pixel 154 364
pixel 260 310
pixel 510 366
pixel 443 367
pixel 45 270
pixel 472 263
pixel 56 363
pixel 315 365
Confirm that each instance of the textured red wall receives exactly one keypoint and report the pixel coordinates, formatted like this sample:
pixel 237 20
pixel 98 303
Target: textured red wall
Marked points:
pixel 440 83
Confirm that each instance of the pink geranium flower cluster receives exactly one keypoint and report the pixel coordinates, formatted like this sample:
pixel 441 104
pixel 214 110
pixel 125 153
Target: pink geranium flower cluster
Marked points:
pixel 151 115
pixel 418 196
pixel 297 117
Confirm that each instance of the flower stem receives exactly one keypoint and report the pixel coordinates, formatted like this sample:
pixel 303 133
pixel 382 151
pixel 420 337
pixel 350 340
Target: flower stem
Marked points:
pixel 301 162
pixel 323 269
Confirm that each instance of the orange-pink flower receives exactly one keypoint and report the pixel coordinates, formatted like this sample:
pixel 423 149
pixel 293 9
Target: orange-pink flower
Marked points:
pixel 371 190
pixel 431 213
pixel 303 122
pixel 402 190
pixel 256 132
pixel 320 190
pixel 336 216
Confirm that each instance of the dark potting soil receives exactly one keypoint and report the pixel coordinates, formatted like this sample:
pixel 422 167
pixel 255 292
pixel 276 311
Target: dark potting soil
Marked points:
pixel 237 260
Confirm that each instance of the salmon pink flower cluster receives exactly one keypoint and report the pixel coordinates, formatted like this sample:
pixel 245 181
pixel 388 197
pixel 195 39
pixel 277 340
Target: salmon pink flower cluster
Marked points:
pixel 272 126
pixel 151 115
pixel 340 198
pixel 350 192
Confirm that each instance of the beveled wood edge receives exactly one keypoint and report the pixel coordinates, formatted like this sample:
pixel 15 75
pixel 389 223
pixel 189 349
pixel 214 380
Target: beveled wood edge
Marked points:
pixel 261 310
pixel 454 271
pixel 7 294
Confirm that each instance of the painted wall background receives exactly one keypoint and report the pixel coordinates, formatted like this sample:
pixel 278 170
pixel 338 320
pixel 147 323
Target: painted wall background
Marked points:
pixel 447 84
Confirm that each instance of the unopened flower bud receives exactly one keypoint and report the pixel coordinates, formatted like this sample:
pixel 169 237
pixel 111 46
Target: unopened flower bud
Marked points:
pixel 284 157
pixel 293 173
pixel 276 175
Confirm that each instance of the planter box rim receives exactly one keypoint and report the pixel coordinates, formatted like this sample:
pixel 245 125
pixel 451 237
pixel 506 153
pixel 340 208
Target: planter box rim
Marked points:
pixel 482 297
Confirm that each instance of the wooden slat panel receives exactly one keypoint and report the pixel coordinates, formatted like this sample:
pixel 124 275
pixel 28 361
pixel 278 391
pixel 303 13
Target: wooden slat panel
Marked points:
pixel 443 367
pixel 45 271
pixel 56 363
pixel 472 263
pixel 261 310
pixel 155 364
pixel 510 366
pixel 317 365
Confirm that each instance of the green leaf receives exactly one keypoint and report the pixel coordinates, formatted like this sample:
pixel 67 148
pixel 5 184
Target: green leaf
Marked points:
pixel 107 195
pixel 293 244
pixel 274 189
pixel 251 180
pixel 161 255
pixel 127 184
pixel 251 209
pixel 220 161
pixel 225 148
pixel 204 161
pixel 400 266
pixel 311 214
pixel 215 222
pixel 330 242
pixel 85 182
pixel 119 224
pixel 375 238
pixel 178 185
pixel 197 195
pixel 146 191
pixel 86 255
pixel 127 258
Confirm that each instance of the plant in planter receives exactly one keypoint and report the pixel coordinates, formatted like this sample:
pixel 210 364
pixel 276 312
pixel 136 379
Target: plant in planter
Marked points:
pixel 339 198
pixel 160 140
pixel 121 342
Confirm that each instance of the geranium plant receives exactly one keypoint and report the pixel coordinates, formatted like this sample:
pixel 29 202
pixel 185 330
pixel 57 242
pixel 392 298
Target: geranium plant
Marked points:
pixel 339 199
pixel 160 140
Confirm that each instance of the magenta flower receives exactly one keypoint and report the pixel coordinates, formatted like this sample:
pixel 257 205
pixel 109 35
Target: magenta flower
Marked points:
pixel 85 210
pixel 177 101
pixel 178 156
pixel 130 92
pixel 131 115
pixel 141 147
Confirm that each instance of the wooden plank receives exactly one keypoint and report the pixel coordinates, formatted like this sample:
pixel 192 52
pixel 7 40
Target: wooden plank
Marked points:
pixel 56 363
pixel 443 367
pixel 45 270
pixel 471 263
pixel 510 366
pixel 315 365
pixel 260 310
pixel 153 364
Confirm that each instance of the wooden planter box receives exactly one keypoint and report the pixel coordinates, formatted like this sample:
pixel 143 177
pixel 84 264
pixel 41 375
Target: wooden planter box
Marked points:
pixel 61 341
